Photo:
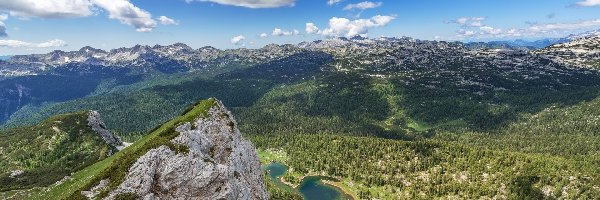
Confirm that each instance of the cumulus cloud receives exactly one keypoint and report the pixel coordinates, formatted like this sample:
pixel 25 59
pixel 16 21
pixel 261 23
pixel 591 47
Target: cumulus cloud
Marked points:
pixel 333 2
pixel 490 30
pixel 237 40
pixel 3 17
pixel 164 20
pixel 252 3
pixel 466 33
pixel 363 5
pixel 47 8
pixel 264 35
pixel 469 21
pixel 349 28
pixel 121 10
pixel 280 32
pixel 311 28
pixel 22 44
pixel 127 13
pixel 588 3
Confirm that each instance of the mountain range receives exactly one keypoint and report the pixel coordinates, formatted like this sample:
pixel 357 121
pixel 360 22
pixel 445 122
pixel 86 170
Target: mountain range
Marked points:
pixel 384 118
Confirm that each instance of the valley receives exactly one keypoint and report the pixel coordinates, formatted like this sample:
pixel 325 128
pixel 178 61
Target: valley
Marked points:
pixel 390 118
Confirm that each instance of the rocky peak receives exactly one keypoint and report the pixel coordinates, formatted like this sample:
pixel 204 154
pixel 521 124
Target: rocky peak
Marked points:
pixel 181 46
pixel 217 163
pixel 90 51
pixel 98 126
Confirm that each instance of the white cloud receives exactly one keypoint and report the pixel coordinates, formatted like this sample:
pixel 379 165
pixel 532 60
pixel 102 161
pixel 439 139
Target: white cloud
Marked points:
pixel 549 27
pixel 13 43
pixel 237 40
pixel 533 30
pixel 164 20
pixel 589 3
pixel 121 10
pixel 466 33
pixel 333 2
pixel 490 30
pixel 47 8
pixel 22 44
pixel 264 35
pixel 469 21
pixel 311 28
pixel 363 5
pixel 280 32
pixel 127 13
pixel 349 28
pixel 252 3
pixel 52 43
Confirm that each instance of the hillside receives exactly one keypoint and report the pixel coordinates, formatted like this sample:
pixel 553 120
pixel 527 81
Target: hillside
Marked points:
pixel 422 81
pixel 376 168
pixel 440 107
pixel 39 155
pixel 582 51
pixel 199 154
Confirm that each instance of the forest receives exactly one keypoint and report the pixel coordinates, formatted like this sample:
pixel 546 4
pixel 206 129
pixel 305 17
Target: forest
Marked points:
pixel 386 138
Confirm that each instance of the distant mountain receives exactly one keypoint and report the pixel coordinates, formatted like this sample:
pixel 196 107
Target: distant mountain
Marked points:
pixel 583 35
pixel 518 44
pixel 42 154
pixel 583 51
pixel 138 59
pixel 31 81
pixel 450 105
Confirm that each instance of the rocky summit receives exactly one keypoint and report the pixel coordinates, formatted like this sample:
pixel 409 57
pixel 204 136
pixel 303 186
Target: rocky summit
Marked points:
pixel 214 162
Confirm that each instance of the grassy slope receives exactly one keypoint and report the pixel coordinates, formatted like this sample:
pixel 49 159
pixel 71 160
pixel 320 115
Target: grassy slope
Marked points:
pixel 117 165
pixel 48 151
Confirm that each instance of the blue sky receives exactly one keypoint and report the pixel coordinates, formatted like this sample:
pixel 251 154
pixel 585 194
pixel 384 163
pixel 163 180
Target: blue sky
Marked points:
pixel 34 26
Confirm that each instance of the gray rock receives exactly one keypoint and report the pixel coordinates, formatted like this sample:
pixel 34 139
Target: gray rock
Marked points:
pixel 220 164
pixel 16 173
pixel 95 191
pixel 96 123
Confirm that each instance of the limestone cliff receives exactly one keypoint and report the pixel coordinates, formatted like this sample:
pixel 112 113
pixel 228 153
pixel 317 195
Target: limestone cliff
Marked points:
pixel 96 124
pixel 214 162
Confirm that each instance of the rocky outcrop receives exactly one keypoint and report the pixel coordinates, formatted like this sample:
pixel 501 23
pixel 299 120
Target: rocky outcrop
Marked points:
pixel 217 163
pixel 98 126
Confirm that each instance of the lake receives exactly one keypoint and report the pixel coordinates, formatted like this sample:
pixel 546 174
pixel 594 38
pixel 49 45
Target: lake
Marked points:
pixel 311 188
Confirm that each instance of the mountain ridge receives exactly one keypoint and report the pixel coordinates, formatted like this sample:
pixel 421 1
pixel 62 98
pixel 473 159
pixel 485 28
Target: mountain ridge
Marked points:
pixel 52 149
pixel 203 139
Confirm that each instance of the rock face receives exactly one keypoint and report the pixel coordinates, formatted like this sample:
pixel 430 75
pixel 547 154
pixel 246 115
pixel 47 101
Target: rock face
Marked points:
pixel 96 123
pixel 218 164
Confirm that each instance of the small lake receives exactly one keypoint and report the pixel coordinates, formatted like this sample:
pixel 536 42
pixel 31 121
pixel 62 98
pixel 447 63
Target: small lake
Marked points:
pixel 311 188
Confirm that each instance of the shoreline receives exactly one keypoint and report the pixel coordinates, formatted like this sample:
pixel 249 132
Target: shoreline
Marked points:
pixel 342 187
pixel 335 183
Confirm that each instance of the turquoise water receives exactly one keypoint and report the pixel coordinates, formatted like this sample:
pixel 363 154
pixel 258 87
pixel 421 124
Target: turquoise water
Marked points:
pixel 311 188
pixel 275 171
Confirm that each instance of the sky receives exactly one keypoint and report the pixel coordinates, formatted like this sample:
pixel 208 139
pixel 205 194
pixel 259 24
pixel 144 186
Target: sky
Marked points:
pixel 40 26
